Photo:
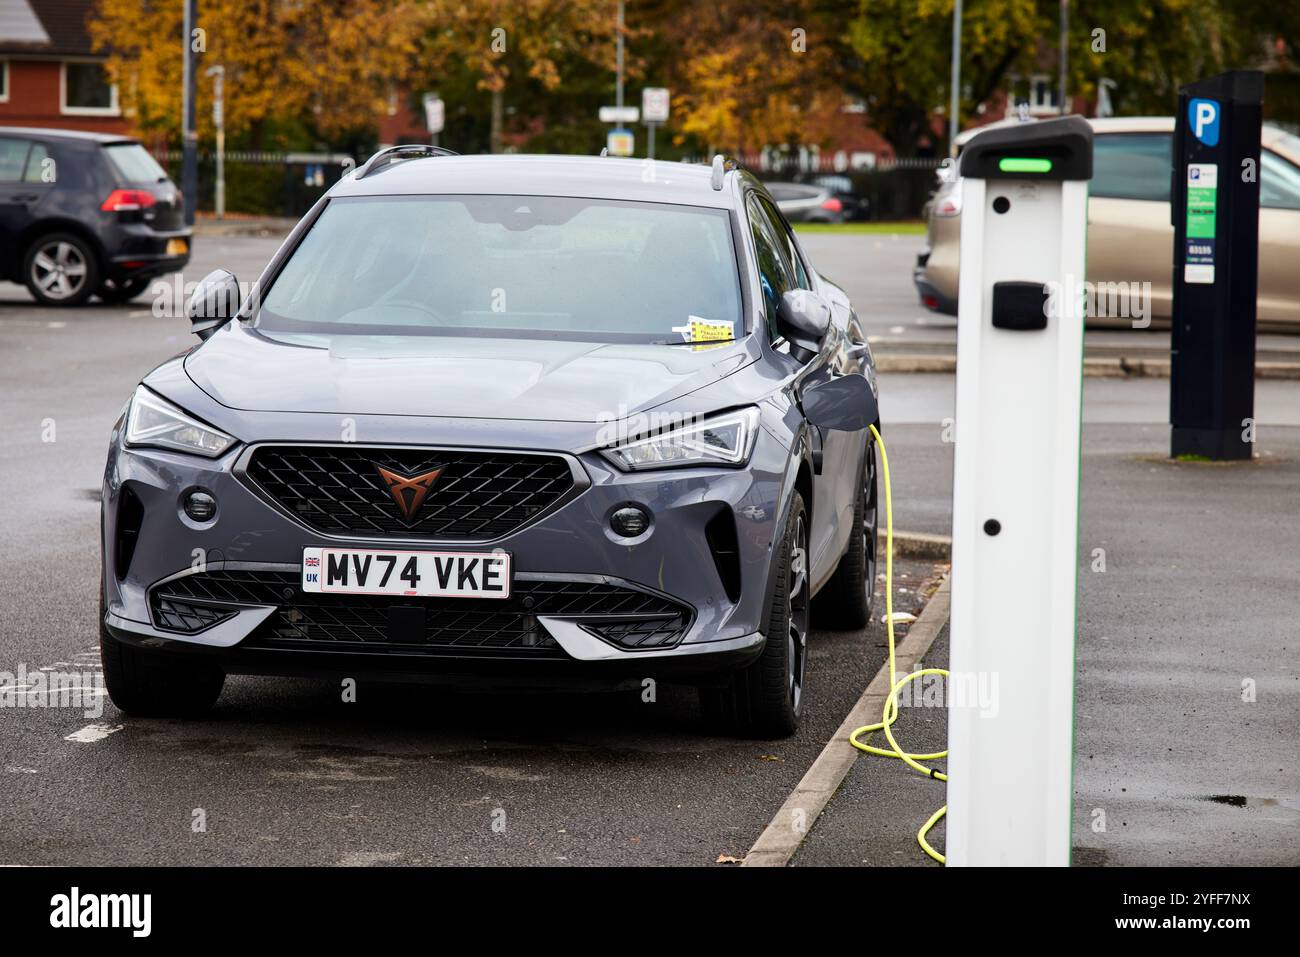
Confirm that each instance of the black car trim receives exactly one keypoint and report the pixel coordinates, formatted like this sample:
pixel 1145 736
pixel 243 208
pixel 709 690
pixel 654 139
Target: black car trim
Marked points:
pixel 581 482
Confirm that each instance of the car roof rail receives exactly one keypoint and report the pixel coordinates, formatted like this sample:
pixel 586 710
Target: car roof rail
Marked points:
pixel 721 166
pixel 396 154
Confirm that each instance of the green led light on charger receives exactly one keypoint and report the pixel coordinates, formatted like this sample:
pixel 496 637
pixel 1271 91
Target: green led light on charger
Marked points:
pixel 1024 164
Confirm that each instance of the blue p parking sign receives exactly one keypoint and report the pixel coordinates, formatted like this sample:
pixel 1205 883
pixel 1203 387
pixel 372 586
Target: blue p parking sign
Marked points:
pixel 1203 116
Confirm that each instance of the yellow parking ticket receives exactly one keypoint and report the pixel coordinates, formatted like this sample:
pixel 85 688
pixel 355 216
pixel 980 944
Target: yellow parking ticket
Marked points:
pixel 706 330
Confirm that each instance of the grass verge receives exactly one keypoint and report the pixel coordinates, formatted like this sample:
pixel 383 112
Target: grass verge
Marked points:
pixel 911 227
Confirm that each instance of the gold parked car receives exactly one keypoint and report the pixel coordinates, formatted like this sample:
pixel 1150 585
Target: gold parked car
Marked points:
pixel 1130 238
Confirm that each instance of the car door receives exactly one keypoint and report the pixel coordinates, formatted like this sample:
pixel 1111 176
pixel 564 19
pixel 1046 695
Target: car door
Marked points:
pixel 831 517
pixel 1130 238
pixel 17 199
pixel 1278 298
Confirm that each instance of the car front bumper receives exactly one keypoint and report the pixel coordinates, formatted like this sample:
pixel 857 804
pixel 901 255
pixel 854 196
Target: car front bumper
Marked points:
pixel 571 545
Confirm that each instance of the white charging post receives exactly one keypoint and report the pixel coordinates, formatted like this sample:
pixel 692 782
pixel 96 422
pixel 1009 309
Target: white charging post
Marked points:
pixel 1016 493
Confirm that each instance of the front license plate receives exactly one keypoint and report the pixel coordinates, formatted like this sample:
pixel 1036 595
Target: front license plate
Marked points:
pixel 358 571
pixel 177 247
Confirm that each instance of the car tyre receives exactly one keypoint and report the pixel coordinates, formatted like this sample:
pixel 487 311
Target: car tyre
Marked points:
pixel 765 698
pixel 154 684
pixel 846 600
pixel 115 293
pixel 61 269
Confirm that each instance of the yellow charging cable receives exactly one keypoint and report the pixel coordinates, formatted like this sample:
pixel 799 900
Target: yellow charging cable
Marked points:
pixel 891 703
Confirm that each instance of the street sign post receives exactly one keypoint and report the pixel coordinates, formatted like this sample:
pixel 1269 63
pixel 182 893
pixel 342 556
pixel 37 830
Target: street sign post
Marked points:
pixel 654 110
pixel 620 142
pixel 189 133
pixel 1016 493
pixel 218 74
pixel 434 115
pixel 1215 211
pixel 619 114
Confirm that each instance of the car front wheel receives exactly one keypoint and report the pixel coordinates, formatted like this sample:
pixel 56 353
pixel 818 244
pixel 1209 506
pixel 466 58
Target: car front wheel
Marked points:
pixel 153 684
pixel 846 601
pixel 765 699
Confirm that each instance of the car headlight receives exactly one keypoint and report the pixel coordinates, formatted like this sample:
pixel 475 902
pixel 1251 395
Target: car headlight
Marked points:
pixel 725 439
pixel 153 421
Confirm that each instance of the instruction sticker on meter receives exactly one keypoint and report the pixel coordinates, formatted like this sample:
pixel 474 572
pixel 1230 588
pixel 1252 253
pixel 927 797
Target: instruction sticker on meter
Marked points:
pixel 1202 208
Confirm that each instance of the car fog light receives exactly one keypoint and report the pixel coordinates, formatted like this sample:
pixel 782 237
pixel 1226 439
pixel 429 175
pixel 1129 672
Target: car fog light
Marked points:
pixel 200 506
pixel 630 521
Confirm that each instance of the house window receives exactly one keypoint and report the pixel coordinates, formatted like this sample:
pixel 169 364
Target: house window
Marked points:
pixel 4 81
pixel 1036 93
pixel 86 90
pixel 1042 94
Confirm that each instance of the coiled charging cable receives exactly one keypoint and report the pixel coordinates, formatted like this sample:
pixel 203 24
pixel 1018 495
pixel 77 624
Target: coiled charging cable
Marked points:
pixel 890 715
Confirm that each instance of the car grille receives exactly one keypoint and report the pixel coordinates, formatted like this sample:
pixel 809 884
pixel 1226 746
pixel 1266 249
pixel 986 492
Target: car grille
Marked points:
pixel 477 496
pixel 627 617
pixel 176 614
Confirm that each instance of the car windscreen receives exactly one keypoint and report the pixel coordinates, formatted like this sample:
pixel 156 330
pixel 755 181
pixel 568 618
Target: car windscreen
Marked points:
pixel 134 164
pixel 510 266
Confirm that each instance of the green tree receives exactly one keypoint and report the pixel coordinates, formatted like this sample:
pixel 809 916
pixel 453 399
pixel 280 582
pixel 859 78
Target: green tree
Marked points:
pixel 517 52
pixel 897 59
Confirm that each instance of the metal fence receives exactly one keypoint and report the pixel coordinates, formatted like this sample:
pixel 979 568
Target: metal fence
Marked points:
pixel 287 184
pixel 896 188
pixel 264 183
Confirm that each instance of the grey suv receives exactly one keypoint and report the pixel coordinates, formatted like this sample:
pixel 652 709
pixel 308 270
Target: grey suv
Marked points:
pixel 536 421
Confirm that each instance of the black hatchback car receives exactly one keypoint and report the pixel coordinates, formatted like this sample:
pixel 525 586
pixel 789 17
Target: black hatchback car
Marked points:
pixel 85 214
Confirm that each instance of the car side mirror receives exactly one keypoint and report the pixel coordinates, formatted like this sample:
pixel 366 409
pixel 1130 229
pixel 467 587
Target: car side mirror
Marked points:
pixel 214 302
pixel 803 318
pixel 844 403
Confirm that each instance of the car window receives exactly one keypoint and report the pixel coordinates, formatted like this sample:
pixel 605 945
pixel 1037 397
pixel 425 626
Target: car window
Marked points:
pixel 773 274
pixel 134 164
pixel 1279 182
pixel 38 171
pixel 13 156
pixel 541 267
pixel 781 229
pixel 1132 166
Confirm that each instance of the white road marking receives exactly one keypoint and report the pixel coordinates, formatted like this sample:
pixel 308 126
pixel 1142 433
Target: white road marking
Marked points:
pixel 92 733
pixel 368 858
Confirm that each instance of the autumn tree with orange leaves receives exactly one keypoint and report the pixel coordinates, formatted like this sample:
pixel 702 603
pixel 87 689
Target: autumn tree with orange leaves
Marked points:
pixel 328 66
pixel 517 51
pixel 752 73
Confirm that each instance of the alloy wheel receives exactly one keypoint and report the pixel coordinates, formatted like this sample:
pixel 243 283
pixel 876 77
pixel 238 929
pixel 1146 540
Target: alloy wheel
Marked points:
pixel 59 269
pixel 798 618
pixel 870 510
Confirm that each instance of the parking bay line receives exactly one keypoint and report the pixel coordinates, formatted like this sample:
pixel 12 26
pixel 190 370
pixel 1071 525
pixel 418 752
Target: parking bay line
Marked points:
pixel 798 815
pixel 93 732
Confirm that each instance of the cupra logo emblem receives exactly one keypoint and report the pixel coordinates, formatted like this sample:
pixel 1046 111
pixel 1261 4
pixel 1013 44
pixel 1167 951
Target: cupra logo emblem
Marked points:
pixel 408 491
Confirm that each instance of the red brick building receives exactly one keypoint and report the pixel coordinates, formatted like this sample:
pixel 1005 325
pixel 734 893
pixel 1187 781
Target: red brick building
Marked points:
pixel 49 75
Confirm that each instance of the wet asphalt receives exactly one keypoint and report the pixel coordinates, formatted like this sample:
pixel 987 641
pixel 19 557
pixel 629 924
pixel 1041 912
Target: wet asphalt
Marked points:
pixel 1196 605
